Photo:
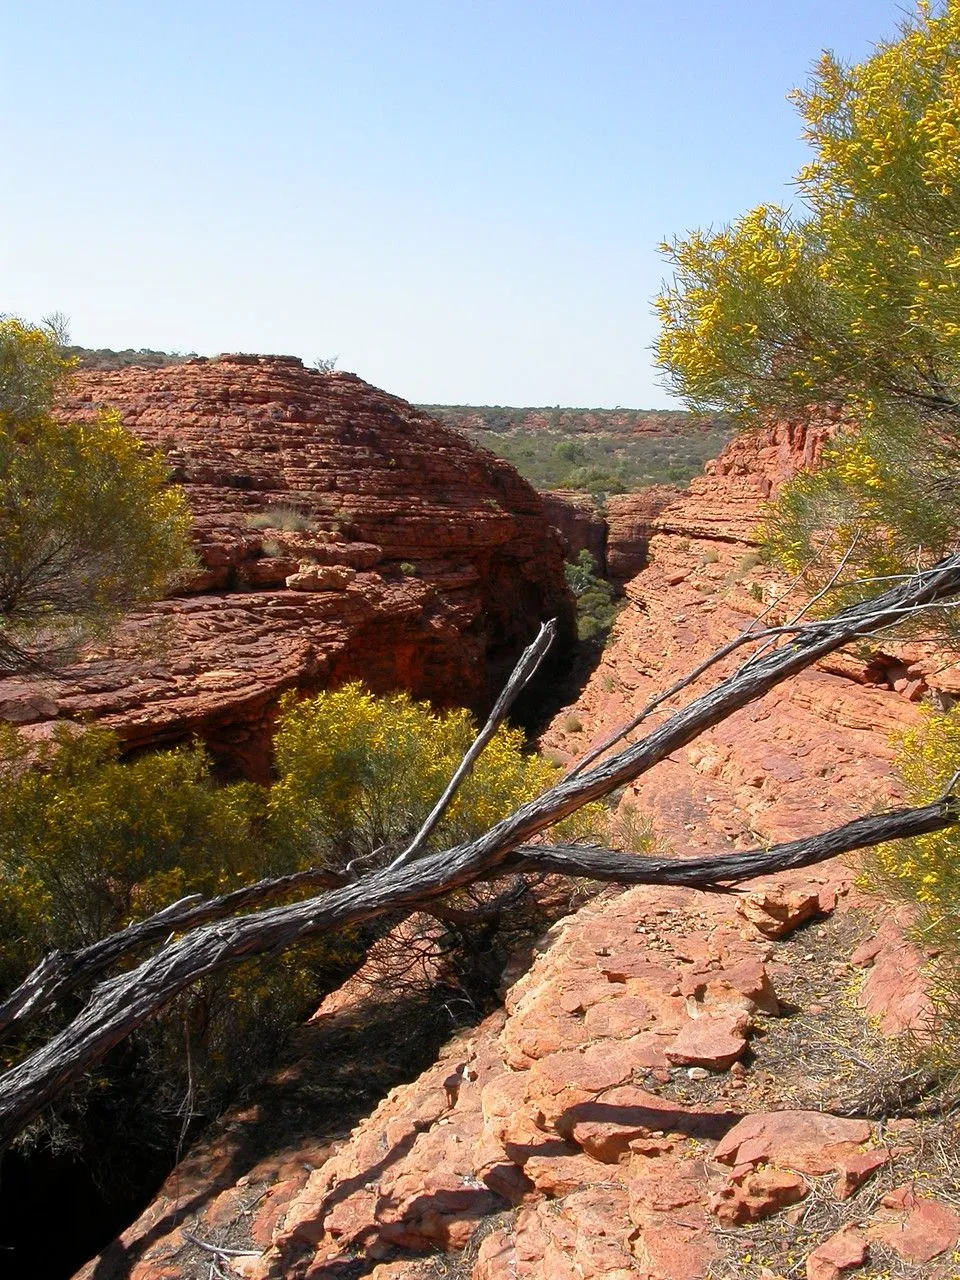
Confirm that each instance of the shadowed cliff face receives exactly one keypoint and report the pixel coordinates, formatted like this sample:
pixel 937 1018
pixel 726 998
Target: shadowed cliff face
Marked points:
pixel 341 534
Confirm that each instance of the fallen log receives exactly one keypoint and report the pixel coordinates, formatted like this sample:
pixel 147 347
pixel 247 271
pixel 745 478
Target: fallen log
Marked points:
pixel 121 1004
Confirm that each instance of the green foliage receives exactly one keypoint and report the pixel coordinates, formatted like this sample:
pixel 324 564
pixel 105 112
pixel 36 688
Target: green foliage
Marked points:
pixel 854 302
pixel 580 422
pixel 88 842
pixel 925 872
pixel 358 775
pixel 88 523
pixel 596 597
pixel 603 464
pixel 288 519
pixel 107 358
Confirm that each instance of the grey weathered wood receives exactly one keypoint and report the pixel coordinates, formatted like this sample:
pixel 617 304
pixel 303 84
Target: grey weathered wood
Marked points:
pixel 719 869
pixel 61 972
pixel 523 672
pixel 121 1004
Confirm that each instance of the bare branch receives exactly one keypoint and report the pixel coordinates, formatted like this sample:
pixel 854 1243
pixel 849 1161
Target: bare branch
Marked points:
pixel 527 665
pixel 123 1003
pixel 61 972
pixel 709 872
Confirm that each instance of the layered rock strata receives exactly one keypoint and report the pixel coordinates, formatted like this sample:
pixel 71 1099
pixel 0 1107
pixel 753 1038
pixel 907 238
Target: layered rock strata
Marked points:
pixel 340 533
pixel 617 1118
pixel 580 525
pixel 630 526
pixel 811 754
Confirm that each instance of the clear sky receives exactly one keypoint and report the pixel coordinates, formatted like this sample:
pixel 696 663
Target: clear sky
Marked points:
pixel 460 199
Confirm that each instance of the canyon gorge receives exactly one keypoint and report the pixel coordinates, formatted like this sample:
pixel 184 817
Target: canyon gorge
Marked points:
pixel 667 1083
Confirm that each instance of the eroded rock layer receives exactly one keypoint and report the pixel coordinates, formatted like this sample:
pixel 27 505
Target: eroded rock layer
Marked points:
pixel 636 1107
pixel 341 534
pixel 815 751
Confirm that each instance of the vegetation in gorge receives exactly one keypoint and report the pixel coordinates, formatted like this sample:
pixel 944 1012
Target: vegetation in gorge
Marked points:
pixel 89 843
pixel 597 605
pixel 854 302
pixel 358 775
pixel 88 523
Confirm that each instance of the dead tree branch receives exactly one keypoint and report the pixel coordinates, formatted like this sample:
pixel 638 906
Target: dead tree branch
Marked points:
pixel 597 863
pixel 523 672
pixel 121 1004
pixel 61 972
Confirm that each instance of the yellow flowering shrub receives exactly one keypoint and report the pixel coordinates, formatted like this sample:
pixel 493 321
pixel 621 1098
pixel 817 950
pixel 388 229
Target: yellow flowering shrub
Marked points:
pixel 853 299
pixel 88 842
pixel 926 871
pixel 88 522
pixel 358 774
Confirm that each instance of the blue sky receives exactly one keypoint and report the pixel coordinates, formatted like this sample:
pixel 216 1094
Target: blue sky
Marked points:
pixel 462 201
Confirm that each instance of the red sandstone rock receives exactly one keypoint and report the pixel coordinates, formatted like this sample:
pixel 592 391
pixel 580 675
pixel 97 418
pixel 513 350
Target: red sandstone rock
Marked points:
pixel 856 1169
pixel 778 911
pixel 714 1042
pixel 894 991
pixel 812 753
pixel 918 1228
pixel 496 1258
pixel 630 526
pixel 321 577
pixel 806 1141
pixel 752 1195
pixel 575 517
pixel 845 1251
pixel 414 560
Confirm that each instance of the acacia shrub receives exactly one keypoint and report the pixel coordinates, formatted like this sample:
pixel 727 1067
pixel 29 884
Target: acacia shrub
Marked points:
pixel 89 843
pixel 88 523
pixel 925 872
pixel 851 303
pixel 358 775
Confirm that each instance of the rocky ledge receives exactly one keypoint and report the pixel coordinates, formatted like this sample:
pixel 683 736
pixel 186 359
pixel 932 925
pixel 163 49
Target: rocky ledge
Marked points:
pixel 340 533
pixel 814 752
pixel 671 1075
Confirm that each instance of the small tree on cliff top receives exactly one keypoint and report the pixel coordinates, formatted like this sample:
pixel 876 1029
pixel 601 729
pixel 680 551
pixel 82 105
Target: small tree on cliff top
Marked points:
pixel 854 302
pixel 88 523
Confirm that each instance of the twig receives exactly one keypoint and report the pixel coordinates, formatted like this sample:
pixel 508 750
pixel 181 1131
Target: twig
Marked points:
pixel 527 665
pixel 219 1249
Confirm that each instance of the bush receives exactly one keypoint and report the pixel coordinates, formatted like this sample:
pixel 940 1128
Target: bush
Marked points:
pixel 89 843
pixel 925 872
pixel 601 464
pixel 358 776
pixel 596 604
pixel 288 519
pixel 850 304
pixel 88 523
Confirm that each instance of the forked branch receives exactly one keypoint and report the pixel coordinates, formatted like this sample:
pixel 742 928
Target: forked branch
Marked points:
pixel 121 1004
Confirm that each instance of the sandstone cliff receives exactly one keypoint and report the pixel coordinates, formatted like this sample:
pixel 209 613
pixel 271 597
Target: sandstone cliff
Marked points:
pixel 675 1087
pixel 341 534
pixel 814 751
